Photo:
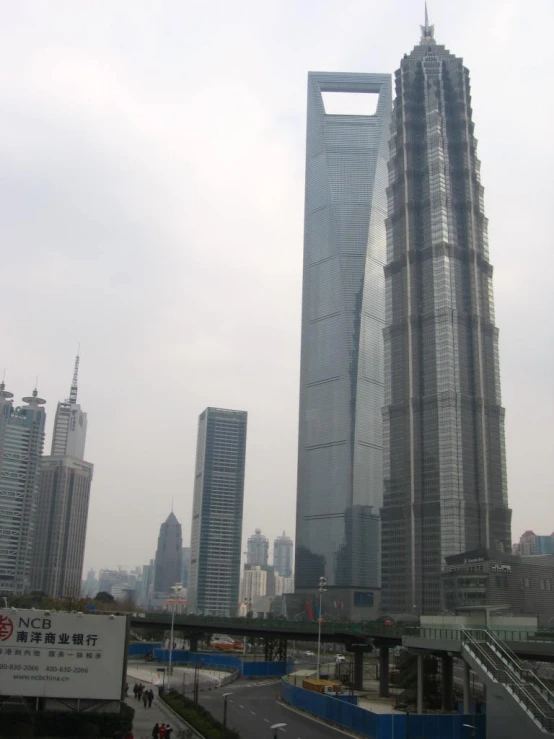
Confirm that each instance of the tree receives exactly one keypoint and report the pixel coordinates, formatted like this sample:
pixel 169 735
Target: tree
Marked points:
pixel 103 597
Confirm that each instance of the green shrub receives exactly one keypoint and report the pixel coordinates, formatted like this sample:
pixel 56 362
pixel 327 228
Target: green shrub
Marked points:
pixel 197 716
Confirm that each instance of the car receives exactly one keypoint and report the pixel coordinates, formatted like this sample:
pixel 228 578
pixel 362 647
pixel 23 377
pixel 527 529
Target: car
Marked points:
pixel 340 658
pixel 309 654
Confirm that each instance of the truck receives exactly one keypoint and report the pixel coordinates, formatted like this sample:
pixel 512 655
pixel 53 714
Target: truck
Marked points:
pixel 325 687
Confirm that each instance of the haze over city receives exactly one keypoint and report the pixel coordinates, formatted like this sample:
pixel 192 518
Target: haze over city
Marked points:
pixel 153 162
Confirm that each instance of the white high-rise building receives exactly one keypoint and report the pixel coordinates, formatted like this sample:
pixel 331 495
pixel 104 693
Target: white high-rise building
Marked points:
pixel 70 426
pixel 254 583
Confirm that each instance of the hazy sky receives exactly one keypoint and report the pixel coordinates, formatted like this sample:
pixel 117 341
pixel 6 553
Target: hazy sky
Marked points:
pixel 151 196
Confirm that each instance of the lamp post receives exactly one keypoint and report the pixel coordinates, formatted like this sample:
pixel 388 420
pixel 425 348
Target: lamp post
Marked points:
pixel 176 590
pixel 225 696
pixel 322 584
pixel 275 728
pixel 473 729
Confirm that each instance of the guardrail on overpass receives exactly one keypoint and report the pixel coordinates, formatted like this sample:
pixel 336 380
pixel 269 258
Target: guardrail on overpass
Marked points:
pixel 337 631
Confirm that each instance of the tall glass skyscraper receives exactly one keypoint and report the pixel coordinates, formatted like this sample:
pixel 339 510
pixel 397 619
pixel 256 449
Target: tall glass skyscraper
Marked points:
pixel 216 532
pixel 339 491
pixel 444 458
pixel 21 444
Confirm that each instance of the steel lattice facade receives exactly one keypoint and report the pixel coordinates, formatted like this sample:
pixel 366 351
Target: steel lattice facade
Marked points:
pixel 445 488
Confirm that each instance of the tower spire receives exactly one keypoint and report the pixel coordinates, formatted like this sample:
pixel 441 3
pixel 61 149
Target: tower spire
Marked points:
pixel 427 31
pixel 73 391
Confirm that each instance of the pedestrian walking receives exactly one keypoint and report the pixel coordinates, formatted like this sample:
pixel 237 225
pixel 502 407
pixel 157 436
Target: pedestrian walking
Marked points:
pixel 135 690
pixel 162 731
pixel 150 697
pixel 145 698
pixel 156 731
pixel 168 732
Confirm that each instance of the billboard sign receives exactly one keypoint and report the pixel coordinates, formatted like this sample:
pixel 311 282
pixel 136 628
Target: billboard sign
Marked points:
pixel 61 655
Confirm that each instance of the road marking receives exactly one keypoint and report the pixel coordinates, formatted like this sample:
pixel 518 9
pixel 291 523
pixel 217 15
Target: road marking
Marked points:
pixel 240 706
pixel 252 712
pixel 266 720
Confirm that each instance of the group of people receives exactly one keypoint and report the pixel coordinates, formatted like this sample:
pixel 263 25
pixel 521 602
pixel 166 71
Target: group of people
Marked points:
pixel 162 732
pixel 144 695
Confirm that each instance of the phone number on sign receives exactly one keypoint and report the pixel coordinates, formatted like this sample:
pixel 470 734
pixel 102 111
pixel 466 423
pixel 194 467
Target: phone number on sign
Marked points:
pixel 35 668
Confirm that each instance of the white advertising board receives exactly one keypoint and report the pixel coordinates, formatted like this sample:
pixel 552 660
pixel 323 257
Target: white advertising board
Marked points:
pixel 61 655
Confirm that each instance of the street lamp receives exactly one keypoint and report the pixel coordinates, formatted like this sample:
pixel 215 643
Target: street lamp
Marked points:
pixel 176 589
pixel 225 696
pixel 322 584
pixel 275 728
pixel 473 729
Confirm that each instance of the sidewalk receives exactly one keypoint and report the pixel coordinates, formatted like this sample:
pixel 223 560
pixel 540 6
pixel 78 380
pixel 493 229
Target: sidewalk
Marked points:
pixel 145 718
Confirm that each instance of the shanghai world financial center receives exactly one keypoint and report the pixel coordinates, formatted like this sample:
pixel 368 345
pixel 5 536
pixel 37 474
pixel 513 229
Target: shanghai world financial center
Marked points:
pixel 401 429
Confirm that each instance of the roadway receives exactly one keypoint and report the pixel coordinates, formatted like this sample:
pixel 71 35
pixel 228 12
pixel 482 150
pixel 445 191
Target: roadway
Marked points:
pixel 253 708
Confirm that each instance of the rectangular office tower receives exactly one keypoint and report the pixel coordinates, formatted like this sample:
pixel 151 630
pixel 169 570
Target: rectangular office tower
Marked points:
pixel 63 503
pixel 216 532
pixel 339 492
pixel 21 444
pixel 444 463
pixel 61 527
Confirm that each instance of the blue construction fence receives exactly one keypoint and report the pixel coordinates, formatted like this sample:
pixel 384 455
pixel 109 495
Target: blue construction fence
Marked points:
pixel 247 668
pixel 142 648
pixel 383 725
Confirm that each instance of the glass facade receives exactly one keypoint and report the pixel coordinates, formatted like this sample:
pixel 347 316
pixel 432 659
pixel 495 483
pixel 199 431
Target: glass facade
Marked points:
pixel 341 377
pixel 216 532
pixel 21 445
pixel 445 488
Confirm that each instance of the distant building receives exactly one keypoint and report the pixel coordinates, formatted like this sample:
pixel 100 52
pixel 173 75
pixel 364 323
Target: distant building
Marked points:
pixel 21 445
pixel 283 555
pixel 168 562
pixel 61 528
pixel 517 585
pixel 257 549
pixel 90 584
pixel 217 513
pixel 110 580
pixel 254 583
pixel 144 594
pixel 63 503
pixel 185 566
pixel 283 585
pixel 531 543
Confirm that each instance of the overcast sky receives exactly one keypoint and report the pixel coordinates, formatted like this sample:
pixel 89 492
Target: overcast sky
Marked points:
pixel 151 196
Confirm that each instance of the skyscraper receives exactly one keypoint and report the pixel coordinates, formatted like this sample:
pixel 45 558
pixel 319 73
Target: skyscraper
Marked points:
pixel 63 504
pixel 257 549
pixel 21 444
pixel 169 555
pixel 340 473
pixel 444 461
pixel 70 426
pixel 216 533
pixel 282 555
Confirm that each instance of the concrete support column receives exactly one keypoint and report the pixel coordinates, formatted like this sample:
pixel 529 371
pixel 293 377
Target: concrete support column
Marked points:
pixel 447 682
pixel 420 683
pixel 358 669
pixel 467 693
pixel 193 643
pixel 383 672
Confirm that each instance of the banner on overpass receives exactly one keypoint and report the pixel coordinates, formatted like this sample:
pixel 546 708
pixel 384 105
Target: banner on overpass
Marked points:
pixel 61 655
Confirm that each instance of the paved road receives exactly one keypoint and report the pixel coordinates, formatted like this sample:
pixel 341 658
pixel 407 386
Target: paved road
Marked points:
pixel 252 709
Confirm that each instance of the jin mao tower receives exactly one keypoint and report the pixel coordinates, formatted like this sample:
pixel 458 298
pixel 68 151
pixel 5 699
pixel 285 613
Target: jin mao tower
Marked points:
pixel 445 488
